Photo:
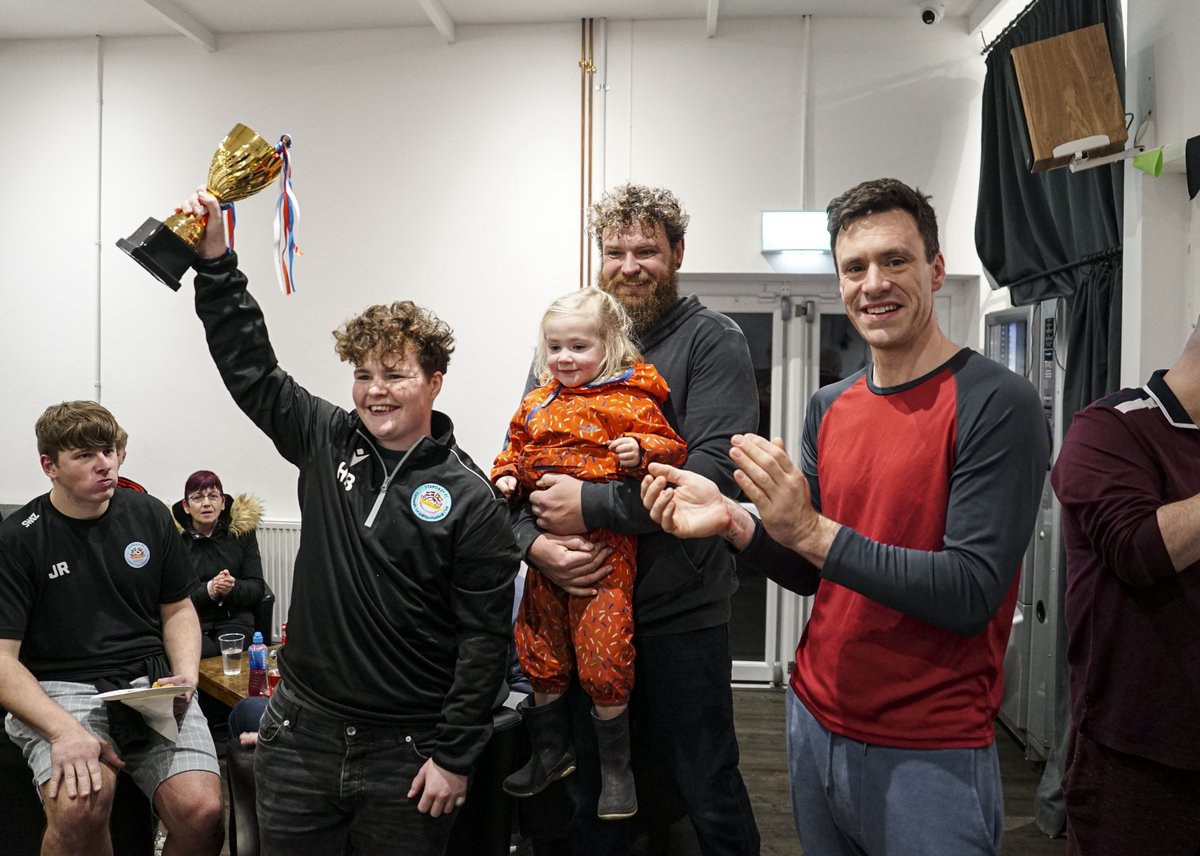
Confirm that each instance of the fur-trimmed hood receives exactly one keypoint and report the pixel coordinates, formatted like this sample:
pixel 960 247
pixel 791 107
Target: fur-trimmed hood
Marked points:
pixel 242 514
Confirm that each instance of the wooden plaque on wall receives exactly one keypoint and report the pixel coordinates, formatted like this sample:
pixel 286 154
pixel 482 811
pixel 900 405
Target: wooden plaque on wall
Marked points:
pixel 1069 92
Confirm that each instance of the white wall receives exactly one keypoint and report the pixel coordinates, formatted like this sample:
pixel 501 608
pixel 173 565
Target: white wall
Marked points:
pixel 48 258
pixel 1162 279
pixel 448 174
pixel 891 97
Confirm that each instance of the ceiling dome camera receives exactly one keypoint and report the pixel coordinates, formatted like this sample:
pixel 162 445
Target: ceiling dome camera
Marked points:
pixel 930 15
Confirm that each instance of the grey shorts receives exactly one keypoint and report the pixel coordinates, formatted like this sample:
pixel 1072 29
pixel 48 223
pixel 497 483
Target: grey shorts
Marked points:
pixel 150 766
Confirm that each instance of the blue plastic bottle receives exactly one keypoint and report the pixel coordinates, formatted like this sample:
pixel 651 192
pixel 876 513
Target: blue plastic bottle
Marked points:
pixel 258 666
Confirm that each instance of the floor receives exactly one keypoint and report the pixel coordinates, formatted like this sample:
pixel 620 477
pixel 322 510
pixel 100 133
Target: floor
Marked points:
pixel 759 719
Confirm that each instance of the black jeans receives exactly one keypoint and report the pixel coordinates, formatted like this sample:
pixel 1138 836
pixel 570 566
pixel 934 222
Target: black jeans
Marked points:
pixel 324 782
pixel 685 751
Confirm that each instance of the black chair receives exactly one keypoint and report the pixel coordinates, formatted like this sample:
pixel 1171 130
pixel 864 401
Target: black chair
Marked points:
pixel 485 823
pixel 264 614
pixel 22 819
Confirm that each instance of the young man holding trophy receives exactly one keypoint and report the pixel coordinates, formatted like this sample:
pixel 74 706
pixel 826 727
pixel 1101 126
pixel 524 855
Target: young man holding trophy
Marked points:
pixel 399 623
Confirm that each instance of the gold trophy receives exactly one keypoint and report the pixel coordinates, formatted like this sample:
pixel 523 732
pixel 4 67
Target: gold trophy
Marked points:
pixel 242 165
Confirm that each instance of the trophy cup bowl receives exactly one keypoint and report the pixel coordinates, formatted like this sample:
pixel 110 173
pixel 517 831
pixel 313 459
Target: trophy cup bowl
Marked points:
pixel 242 165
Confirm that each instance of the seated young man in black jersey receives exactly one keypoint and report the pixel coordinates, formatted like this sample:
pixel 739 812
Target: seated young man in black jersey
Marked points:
pixel 96 598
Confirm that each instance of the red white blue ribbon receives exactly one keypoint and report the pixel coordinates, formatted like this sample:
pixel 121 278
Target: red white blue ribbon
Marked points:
pixel 230 221
pixel 287 212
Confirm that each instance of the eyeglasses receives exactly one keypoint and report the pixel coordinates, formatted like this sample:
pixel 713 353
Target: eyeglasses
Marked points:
pixel 211 496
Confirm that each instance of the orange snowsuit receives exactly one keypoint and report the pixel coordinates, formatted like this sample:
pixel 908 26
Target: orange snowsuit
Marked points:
pixel 561 429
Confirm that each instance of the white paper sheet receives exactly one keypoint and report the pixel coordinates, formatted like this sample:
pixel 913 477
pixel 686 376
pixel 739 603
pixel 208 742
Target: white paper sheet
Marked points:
pixel 155 704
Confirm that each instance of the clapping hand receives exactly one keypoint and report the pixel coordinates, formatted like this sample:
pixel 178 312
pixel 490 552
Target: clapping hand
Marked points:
pixel 685 504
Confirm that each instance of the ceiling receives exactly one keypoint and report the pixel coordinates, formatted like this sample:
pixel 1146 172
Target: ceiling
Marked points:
pixel 205 20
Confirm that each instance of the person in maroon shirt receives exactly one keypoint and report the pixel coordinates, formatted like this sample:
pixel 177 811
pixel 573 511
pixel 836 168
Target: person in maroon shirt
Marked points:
pixel 1128 478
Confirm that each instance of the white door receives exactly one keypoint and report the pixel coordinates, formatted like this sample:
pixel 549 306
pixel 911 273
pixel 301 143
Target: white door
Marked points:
pixel 754 625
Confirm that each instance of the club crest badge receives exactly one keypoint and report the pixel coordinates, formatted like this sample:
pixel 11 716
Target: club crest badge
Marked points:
pixel 431 502
pixel 137 555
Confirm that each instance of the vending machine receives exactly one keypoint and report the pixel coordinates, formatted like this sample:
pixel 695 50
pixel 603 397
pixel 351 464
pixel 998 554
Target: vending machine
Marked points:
pixel 1031 341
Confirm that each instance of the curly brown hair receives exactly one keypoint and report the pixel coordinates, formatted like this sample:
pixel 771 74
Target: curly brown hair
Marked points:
pixel 648 207
pixel 876 197
pixel 399 329
pixel 75 425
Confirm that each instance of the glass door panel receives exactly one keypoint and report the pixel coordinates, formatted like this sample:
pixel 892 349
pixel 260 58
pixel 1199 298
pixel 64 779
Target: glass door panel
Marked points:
pixel 837 352
pixel 753 628
pixel 747 621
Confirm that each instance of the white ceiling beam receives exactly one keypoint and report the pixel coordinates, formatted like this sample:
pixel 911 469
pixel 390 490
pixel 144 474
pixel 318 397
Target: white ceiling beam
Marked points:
pixel 183 22
pixel 440 18
pixel 712 17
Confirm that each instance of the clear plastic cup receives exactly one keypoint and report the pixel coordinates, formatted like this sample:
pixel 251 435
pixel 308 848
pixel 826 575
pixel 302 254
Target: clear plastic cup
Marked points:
pixel 232 645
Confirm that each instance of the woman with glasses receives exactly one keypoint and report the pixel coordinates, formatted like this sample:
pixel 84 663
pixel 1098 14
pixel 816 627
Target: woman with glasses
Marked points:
pixel 219 536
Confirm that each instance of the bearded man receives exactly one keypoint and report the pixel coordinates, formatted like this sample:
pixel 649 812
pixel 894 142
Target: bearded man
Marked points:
pixel 685 752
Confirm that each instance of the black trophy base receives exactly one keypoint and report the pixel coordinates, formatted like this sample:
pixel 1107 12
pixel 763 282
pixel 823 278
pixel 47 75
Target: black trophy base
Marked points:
pixel 160 251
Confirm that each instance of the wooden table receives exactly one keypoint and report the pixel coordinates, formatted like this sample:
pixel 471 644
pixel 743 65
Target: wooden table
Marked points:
pixel 228 689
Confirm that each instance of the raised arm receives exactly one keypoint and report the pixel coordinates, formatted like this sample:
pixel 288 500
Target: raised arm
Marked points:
pixel 237 337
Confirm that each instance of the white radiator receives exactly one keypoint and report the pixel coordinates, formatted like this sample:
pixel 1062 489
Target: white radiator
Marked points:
pixel 278 541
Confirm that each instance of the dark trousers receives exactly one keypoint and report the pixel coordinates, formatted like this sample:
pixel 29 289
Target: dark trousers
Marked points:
pixel 685 752
pixel 324 783
pixel 1120 804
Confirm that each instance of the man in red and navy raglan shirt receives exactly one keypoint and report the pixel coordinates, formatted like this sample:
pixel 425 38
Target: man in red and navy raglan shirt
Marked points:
pixel 1128 477
pixel 917 493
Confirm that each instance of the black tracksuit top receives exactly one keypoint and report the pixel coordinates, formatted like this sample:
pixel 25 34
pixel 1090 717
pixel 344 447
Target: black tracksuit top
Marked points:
pixel 403 589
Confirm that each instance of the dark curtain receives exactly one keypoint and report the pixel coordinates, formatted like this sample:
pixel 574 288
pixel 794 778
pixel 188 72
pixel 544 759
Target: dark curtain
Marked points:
pixel 1054 233
pixel 1094 336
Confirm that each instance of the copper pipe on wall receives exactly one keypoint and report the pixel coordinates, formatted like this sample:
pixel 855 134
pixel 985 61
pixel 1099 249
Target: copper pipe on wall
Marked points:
pixel 587 69
pixel 591 127
pixel 582 148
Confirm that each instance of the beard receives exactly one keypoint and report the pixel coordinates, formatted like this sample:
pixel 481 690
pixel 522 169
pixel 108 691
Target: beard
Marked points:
pixel 646 307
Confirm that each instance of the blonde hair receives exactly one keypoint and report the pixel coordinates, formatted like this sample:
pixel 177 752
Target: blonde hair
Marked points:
pixel 612 325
